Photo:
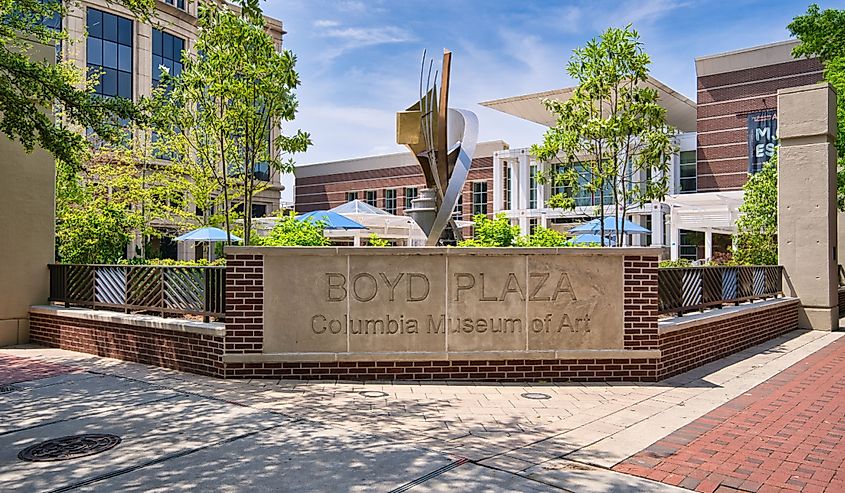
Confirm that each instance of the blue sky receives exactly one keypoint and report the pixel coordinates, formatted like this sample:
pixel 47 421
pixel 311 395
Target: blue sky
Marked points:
pixel 359 59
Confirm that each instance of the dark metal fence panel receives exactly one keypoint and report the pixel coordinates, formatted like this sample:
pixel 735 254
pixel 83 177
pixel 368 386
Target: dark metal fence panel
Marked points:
pixel 683 289
pixel 164 289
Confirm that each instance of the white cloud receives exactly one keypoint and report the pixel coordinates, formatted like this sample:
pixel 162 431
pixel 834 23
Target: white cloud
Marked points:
pixel 326 23
pixel 366 36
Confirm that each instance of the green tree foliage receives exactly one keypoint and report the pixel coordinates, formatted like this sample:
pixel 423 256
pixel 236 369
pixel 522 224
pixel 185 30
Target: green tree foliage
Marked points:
pixel 230 101
pixel 611 136
pixel 30 83
pixel 90 226
pixel 822 34
pixel 496 232
pixel 756 239
pixel 544 237
pixel 290 232
pixel 377 241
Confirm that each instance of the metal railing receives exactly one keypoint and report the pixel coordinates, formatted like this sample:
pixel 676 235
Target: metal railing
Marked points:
pixel 164 289
pixel 685 289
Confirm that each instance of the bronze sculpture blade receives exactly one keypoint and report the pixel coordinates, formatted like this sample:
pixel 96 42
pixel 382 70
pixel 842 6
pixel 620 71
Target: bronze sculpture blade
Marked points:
pixel 442 130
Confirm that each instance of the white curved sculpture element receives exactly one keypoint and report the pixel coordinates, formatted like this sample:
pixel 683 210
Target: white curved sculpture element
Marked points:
pixel 463 131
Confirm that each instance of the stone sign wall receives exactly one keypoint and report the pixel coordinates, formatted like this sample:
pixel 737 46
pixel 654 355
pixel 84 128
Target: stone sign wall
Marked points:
pixel 439 300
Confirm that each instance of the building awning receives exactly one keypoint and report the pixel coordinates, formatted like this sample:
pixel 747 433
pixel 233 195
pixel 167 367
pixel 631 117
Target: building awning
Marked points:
pixel 708 211
pixel 680 110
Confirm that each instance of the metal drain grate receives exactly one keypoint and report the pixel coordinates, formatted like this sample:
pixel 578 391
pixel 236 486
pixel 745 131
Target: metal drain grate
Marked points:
pixel 69 447
pixel 373 394
pixel 535 395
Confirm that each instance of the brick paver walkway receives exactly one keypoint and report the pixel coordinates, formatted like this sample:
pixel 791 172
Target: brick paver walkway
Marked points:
pixel 786 434
pixel 15 369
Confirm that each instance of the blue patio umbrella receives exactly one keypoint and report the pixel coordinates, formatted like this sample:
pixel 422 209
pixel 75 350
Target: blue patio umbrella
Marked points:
pixel 208 233
pixel 330 220
pixel 611 224
pixel 589 238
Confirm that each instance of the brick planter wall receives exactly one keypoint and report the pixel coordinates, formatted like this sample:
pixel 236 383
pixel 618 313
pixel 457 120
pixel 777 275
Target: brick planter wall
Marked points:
pixel 678 346
pixel 717 335
pixel 183 351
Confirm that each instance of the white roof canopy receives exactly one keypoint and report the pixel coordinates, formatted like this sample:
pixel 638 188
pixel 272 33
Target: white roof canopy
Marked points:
pixel 710 211
pixel 680 110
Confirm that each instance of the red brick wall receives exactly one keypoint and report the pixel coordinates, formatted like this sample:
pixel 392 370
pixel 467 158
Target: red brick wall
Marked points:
pixel 327 191
pixel 244 304
pixel 689 348
pixel 195 353
pixel 724 102
pixel 682 350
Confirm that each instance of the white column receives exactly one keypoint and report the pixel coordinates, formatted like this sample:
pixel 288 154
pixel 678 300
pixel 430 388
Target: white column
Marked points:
pixel 708 244
pixel 498 183
pixel 541 188
pixel 524 174
pixel 524 227
pixel 675 237
pixel 657 225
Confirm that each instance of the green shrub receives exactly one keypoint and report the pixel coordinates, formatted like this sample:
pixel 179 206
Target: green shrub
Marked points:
pixel 544 237
pixel 496 232
pixel 681 262
pixel 290 232
pixel 376 241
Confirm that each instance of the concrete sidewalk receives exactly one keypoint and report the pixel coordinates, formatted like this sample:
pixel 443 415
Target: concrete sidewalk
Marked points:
pixel 182 431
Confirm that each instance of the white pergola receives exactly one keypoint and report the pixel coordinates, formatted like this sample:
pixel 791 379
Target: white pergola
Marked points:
pixel 708 212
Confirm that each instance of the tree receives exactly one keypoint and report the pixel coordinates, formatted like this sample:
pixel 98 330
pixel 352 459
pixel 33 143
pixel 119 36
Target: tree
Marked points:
pixel 611 136
pixel 226 108
pixel 822 34
pixel 29 85
pixel 496 232
pixel 757 227
pixel 290 232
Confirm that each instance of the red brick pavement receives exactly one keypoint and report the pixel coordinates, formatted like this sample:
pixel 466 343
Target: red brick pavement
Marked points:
pixel 15 369
pixel 786 434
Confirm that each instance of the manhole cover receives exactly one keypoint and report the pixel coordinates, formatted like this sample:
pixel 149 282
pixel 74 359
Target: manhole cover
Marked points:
pixel 373 393
pixel 5 389
pixel 70 447
pixel 536 395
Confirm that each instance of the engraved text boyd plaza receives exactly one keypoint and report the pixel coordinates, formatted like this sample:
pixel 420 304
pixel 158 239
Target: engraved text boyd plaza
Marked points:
pixel 442 300
pixel 414 287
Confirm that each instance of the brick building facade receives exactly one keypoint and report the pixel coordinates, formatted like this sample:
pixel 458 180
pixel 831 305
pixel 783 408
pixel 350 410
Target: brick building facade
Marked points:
pixel 390 182
pixel 730 87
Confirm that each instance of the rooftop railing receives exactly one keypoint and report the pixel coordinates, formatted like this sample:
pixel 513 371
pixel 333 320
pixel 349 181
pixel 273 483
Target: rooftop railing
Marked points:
pixel 686 289
pixel 192 290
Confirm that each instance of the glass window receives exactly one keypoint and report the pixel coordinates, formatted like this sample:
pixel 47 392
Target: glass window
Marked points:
pixel 350 196
pixel 458 211
pixel 508 184
pixel 532 187
pixel 371 198
pixel 479 197
pixel 688 172
pixel 179 4
pixel 390 200
pixel 167 52
pixel 410 194
pixel 109 52
pixel 259 210
pixel 690 243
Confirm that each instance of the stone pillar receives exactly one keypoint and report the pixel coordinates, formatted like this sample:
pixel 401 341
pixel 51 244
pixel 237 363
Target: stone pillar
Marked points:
pixel 807 232
pixel 708 244
pixel 27 220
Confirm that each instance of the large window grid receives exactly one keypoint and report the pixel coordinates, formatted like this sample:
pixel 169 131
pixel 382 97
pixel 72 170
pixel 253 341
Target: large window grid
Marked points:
pixel 390 200
pixel 167 52
pixel 508 184
pixel 458 211
pixel 532 187
pixel 479 197
pixel 350 196
pixel 370 197
pixel 688 172
pixel 109 52
pixel 410 194
pixel 179 4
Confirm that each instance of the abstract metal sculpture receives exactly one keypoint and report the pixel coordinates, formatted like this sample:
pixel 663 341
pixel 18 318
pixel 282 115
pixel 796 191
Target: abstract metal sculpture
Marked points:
pixel 443 140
